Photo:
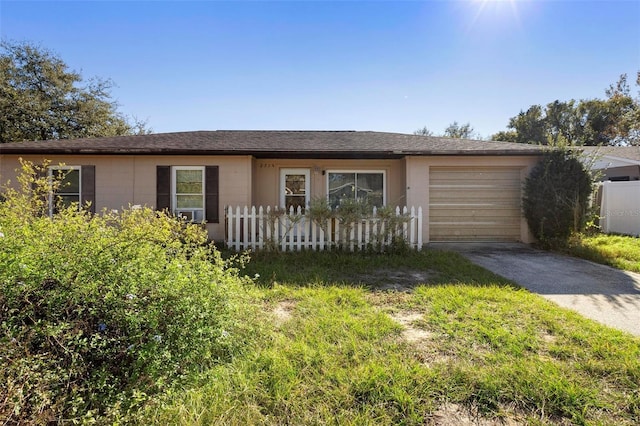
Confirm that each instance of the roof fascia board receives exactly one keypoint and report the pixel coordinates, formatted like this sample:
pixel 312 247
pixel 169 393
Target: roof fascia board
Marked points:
pixel 277 154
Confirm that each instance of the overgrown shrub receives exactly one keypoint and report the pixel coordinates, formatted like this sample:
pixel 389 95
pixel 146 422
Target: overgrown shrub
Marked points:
pixel 99 311
pixel 320 212
pixel 556 196
pixel 386 235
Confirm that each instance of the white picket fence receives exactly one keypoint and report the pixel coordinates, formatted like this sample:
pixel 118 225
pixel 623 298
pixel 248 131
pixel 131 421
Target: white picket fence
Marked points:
pixel 277 229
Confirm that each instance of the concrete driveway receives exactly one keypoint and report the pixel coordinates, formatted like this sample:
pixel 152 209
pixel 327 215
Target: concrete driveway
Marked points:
pixel 605 294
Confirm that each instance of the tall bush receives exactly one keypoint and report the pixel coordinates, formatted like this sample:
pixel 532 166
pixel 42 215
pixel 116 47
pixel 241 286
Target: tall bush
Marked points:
pixel 99 311
pixel 556 196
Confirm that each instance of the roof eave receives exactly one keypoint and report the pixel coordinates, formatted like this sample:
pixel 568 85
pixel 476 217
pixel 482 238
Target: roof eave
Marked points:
pixel 273 154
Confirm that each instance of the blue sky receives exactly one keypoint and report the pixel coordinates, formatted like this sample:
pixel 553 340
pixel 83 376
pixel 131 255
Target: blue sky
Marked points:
pixel 383 66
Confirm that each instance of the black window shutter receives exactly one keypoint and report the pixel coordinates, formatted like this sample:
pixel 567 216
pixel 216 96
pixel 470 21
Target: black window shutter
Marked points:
pixel 163 188
pixel 88 190
pixel 211 194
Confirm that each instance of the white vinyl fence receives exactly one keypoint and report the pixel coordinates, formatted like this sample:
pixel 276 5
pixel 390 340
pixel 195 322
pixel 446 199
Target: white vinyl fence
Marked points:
pixel 277 229
pixel 620 208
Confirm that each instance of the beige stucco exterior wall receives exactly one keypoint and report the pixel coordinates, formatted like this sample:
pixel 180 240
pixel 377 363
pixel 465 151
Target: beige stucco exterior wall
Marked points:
pixel 267 177
pixel 417 180
pixel 123 180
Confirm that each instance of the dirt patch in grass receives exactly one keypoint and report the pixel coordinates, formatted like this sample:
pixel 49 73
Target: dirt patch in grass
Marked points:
pixel 411 333
pixel 450 414
pixel 388 299
pixel 282 311
pixel 394 280
pixel 422 341
pixel 548 338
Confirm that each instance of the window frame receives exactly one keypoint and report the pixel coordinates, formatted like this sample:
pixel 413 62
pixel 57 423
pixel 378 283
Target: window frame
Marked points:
pixel 52 195
pixel 174 195
pixel 356 172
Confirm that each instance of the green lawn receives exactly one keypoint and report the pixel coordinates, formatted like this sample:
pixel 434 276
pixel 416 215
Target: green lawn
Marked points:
pixel 619 251
pixel 410 339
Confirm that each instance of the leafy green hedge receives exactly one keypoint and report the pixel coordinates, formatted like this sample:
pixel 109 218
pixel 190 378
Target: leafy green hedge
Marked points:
pixel 556 197
pixel 99 311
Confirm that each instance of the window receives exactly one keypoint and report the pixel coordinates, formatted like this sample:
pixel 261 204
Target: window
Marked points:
pixel 77 185
pixel 182 189
pixel 294 188
pixel 68 192
pixel 365 186
pixel 188 192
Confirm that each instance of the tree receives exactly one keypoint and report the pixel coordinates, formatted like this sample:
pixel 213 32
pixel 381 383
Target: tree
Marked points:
pixel 611 121
pixel 460 131
pixel 423 132
pixel 624 110
pixel 41 99
pixel 556 196
pixel 505 136
pixel 454 130
pixel 529 126
pixel 562 123
pixel 596 121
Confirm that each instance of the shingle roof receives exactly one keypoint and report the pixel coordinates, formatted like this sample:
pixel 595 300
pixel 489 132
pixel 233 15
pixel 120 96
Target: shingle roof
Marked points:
pixel 626 152
pixel 264 144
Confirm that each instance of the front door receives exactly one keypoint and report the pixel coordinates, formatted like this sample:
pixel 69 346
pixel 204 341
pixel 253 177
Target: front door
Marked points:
pixel 294 188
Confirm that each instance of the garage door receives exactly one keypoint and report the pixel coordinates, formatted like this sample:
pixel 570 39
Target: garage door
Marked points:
pixel 474 204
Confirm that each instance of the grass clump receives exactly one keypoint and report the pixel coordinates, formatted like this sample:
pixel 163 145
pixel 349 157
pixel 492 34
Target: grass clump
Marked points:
pixel 619 251
pixel 98 313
